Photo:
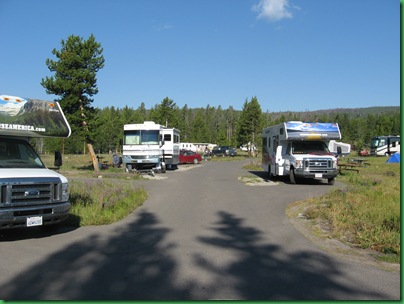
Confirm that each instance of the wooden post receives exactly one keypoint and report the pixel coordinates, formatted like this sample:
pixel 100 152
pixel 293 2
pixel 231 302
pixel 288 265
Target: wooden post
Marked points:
pixel 93 158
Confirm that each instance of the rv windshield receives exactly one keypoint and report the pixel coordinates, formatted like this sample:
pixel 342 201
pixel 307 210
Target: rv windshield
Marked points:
pixel 378 142
pixel 142 137
pixel 310 147
pixel 16 153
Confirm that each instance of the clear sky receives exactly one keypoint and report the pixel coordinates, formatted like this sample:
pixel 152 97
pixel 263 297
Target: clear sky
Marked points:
pixel 293 55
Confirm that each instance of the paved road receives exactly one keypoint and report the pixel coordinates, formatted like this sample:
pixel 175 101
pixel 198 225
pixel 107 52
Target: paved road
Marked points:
pixel 202 234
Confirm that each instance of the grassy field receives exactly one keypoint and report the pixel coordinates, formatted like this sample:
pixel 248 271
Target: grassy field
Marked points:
pixel 98 198
pixel 365 213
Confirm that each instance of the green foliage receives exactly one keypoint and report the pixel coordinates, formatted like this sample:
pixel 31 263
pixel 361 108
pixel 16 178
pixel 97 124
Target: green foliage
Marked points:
pixel 225 127
pixel 75 82
pixel 101 202
pixel 250 123
pixel 367 214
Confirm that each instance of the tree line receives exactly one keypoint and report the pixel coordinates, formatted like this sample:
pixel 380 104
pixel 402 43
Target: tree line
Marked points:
pixel 225 126
pixel 74 81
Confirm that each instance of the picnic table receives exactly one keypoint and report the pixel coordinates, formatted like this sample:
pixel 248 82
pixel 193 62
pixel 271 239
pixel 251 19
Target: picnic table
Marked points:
pixel 348 166
pixel 360 161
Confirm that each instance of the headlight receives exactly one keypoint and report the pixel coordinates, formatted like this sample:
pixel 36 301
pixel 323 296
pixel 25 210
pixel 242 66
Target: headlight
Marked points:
pixel 298 163
pixel 65 192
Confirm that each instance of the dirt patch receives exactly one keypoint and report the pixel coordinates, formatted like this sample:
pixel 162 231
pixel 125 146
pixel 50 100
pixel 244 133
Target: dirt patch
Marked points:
pixel 251 180
pixel 319 233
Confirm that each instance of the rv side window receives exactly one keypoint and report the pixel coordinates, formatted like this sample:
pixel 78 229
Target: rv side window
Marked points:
pixel 281 131
pixel 176 138
pixel 167 137
pixel 264 142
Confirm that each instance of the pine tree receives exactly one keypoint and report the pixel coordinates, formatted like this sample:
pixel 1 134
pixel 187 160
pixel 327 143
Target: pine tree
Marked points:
pixel 75 82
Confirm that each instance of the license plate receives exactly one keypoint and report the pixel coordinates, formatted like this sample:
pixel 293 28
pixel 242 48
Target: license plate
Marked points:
pixel 34 221
pixel 318 175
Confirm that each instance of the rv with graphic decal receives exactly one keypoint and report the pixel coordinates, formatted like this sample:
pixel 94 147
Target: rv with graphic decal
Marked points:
pixel 300 150
pixel 30 193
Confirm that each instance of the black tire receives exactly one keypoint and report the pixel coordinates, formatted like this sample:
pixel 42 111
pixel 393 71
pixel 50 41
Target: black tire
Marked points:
pixel 269 174
pixel 292 176
pixel 331 181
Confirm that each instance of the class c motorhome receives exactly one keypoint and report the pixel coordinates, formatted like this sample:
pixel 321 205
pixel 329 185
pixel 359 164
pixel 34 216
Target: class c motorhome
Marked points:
pixel 30 193
pixel 300 150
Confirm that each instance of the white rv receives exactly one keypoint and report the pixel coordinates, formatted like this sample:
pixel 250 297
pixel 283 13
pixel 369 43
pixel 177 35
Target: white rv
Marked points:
pixel 188 147
pixel 30 194
pixel 333 147
pixel 171 147
pixel 141 149
pixel 300 150
pixel 385 145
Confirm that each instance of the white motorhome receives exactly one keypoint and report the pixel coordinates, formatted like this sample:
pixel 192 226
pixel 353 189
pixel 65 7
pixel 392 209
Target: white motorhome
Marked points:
pixel 142 147
pixel 171 146
pixel 30 194
pixel 300 150
pixel 188 147
pixel 385 145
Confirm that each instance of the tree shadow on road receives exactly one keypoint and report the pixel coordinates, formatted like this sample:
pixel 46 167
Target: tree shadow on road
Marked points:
pixel 268 272
pixel 132 262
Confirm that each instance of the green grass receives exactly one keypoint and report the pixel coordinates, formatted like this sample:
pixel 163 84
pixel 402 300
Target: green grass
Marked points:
pixel 102 202
pixel 98 198
pixel 365 214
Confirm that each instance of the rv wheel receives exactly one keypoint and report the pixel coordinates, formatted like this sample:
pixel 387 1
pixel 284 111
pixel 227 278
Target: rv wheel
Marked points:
pixel 292 176
pixel 269 174
pixel 163 168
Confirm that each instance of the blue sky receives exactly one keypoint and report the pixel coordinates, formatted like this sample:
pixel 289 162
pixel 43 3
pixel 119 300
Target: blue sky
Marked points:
pixel 293 55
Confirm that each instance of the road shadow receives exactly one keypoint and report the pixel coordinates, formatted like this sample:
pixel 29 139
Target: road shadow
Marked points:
pixel 268 272
pixel 135 261
pixel 285 179
pixel 131 263
pixel 19 234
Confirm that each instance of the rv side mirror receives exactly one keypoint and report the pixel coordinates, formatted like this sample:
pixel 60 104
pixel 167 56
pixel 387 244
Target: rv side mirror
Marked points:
pixel 58 159
pixel 339 150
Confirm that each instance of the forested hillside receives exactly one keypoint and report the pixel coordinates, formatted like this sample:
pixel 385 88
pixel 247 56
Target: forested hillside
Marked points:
pixel 224 126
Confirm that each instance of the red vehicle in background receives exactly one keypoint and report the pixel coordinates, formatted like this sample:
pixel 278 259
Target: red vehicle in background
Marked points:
pixel 189 157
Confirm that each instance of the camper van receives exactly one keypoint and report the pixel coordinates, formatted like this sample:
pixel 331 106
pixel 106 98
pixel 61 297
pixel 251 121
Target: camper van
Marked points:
pixel 300 150
pixel 142 148
pixel 30 193
pixel 171 147
pixel 385 145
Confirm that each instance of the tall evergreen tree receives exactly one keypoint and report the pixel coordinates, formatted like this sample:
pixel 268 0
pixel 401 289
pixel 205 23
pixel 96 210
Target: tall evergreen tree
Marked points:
pixel 250 123
pixel 75 81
